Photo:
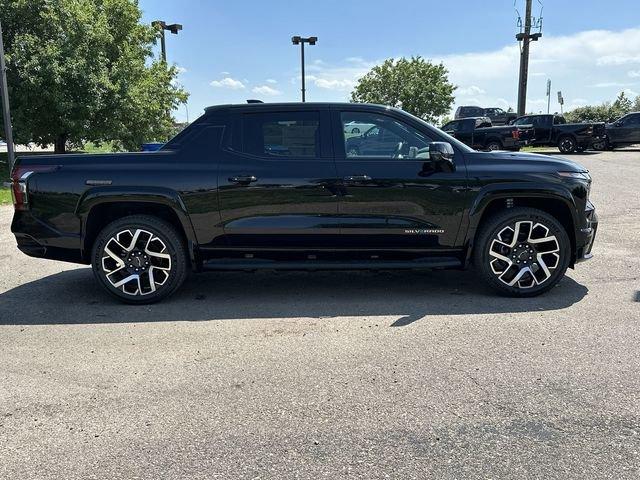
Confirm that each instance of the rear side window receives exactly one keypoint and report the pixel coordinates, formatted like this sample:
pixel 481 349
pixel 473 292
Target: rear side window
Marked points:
pixel 294 134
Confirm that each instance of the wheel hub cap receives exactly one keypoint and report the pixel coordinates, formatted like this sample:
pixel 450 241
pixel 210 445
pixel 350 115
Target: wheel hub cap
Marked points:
pixel 524 254
pixel 136 262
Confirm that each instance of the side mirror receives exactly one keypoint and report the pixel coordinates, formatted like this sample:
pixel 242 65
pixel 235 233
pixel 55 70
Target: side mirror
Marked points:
pixel 442 153
pixel 618 124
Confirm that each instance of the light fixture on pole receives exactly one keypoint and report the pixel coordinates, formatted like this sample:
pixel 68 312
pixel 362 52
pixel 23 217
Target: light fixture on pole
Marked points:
pixel 162 26
pixel 298 40
pixel 6 112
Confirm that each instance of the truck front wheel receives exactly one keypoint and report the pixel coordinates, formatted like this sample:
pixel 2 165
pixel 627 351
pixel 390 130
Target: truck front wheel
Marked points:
pixel 522 252
pixel 493 145
pixel 139 259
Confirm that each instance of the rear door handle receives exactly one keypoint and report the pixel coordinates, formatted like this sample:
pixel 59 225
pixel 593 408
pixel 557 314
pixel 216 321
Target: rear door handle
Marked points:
pixel 243 179
pixel 357 178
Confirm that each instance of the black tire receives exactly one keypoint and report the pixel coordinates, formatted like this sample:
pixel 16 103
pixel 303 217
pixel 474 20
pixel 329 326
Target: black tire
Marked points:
pixel 162 241
pixel 493 145
pixel 567 144
pixel 501 222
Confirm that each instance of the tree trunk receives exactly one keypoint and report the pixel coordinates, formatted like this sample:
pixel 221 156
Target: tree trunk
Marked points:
pixel 60 145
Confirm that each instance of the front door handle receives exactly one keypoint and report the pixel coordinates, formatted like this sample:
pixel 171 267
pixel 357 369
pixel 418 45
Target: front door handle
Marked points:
pixel 357 178
pixel 243 179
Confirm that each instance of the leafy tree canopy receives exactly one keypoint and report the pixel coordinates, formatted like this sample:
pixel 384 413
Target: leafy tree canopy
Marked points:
pixel 415 85
pixel 82 71
pixel 605 112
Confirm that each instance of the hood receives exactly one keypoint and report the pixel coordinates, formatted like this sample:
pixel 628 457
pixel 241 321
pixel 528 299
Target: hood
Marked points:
pixel 538 161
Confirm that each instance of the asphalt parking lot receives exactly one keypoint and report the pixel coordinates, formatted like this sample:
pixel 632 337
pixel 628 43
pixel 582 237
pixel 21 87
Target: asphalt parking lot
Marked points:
pixel 329 375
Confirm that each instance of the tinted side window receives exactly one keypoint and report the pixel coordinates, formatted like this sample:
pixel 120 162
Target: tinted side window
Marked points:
pixel 451 126
pixel 387 138
pixel 633 120
pixel 294 134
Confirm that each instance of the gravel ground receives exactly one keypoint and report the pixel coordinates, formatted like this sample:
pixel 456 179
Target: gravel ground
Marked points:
pixel 329 375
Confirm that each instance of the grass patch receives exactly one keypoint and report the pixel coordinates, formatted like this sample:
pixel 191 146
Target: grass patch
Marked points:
pixel 5 193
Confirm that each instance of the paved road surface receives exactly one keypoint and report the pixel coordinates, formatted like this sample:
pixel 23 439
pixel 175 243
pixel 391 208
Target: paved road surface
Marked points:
pixel 329 375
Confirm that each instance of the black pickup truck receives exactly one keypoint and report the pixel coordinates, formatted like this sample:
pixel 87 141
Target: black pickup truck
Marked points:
pixel 274 186
pixel 624 131
pixel 554 131
pixel 478 133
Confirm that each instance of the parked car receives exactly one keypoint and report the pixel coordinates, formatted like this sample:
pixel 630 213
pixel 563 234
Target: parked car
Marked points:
pixel 478 133
pixel 624 131
pixel 220 196
pixel 554 131
pixel 497 115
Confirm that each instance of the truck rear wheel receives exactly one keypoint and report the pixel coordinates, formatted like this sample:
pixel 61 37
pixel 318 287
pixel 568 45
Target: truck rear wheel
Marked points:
pixel 522 252
pixel 567 144
pixel 139 259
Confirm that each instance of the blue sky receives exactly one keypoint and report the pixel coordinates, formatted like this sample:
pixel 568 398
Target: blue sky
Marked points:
pixel 233 50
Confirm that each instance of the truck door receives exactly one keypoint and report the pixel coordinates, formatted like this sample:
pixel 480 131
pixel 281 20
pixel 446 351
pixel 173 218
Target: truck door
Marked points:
pixel 277 181
pixel 397 199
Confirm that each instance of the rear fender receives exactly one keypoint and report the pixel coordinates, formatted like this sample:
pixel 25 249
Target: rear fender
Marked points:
pixel 138 195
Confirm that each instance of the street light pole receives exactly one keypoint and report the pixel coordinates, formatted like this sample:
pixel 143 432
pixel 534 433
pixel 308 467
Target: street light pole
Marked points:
pixel 298 40
pixel 6 112
pixel 162 26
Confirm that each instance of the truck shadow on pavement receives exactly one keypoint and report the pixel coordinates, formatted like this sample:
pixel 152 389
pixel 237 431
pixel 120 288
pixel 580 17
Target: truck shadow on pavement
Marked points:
pixel 73 297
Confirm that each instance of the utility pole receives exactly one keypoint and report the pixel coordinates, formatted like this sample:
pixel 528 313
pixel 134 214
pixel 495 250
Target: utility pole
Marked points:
pixel 6 112
pixel 298 40
pixel 525 37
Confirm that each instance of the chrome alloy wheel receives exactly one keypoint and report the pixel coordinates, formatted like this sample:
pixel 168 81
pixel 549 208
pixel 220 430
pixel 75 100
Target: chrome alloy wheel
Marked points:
pixel 524 255
pixel 136 262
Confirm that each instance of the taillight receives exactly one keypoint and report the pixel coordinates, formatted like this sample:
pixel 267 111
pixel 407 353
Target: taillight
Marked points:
pixel 516 134
pixel 19 182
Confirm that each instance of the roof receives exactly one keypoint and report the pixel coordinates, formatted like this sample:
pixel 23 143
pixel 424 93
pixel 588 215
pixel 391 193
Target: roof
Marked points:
pixel 292 105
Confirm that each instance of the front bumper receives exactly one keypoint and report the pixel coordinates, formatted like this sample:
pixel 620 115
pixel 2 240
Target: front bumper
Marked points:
pixel 587 235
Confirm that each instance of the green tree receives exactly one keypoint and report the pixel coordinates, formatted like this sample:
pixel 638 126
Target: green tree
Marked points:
pixel 416 85
pixel 82 71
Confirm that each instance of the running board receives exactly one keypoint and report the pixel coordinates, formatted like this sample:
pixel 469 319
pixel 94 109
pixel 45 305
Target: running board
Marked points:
pixel 260 264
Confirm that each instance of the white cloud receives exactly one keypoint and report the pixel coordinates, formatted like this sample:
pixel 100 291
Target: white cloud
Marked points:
pixel 618 59
pixel 610 84
pixel 266 90
pixel 572 62
pixel 181 70
pixel 272 81
pixel 334 83
pixel 225 73
pixel 472 90
pixel 228 82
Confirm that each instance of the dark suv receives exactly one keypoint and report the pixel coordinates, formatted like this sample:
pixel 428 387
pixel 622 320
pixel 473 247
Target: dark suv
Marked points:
pixel 264 186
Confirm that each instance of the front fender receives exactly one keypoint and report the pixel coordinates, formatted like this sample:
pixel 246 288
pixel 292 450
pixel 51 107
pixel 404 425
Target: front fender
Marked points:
pixel 502 192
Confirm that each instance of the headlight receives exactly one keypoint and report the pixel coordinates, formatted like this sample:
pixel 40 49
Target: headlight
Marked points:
pixel 580 175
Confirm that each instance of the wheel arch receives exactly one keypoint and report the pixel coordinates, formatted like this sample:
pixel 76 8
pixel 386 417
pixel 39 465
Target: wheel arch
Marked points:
pixel 557 203
pixel 101 206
